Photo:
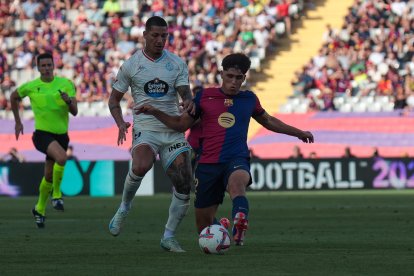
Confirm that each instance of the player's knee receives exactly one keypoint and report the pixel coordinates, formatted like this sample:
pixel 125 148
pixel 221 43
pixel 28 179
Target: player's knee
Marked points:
pixel 183 188
pixel 140 170
pixel 61 160
pixel 237 189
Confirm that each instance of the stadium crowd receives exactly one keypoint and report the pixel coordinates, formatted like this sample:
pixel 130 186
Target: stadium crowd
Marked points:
pixel 91 38
pixel 367 65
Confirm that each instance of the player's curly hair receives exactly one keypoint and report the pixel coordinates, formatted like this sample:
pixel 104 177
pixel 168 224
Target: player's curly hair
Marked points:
pixel 44 56
pixel 238 61
pixel 155 21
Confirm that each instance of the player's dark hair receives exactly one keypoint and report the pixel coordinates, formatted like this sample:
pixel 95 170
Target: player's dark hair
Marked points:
pixel 155 21
pixel 44 56
pixel 237 61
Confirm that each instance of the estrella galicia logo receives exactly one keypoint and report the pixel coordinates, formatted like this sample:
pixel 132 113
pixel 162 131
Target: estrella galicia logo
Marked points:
pixel 169 66
pixel 156 88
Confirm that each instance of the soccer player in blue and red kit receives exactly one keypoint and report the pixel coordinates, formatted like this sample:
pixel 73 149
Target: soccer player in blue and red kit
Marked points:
pixel 224 162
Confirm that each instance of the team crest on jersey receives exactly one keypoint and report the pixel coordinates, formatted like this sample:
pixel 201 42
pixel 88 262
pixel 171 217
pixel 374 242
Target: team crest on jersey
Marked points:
pixel 169 66
pixel 156 88
pixel 228 102
pixel 226 120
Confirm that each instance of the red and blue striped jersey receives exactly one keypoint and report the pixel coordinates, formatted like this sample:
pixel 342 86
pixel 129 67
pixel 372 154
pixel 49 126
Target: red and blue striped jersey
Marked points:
pixel 225 123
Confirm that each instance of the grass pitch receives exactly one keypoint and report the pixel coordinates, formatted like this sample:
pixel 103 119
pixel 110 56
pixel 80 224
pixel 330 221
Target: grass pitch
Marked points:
pixel 291 233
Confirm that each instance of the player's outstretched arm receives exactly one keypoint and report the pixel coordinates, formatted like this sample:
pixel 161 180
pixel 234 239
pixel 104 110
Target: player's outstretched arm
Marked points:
pixel 14 101
pixel 276 125
pixel 116 112
pixel 178 123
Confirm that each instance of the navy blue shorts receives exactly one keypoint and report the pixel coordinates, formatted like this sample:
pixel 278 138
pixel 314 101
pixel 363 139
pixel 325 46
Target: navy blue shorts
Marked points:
pixel 212 179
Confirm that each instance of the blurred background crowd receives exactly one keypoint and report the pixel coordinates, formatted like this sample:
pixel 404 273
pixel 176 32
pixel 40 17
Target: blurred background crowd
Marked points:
pixel 367 65
pixel 91 38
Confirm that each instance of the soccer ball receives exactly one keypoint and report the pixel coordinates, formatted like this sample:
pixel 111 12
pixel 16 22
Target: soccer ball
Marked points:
pixel 214 239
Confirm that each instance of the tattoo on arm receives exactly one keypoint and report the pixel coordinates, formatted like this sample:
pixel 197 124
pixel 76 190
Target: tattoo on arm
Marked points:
pixel 112 107
pixel 185 92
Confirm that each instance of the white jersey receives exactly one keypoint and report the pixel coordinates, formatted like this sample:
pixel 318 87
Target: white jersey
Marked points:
pixel 153 82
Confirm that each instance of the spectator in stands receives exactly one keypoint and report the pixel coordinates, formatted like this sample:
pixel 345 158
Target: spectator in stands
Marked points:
pixel 29 8
pixel 375 153
pixel 297 153
pixel 313 155
pixel 94 14
pixel 80 28
pixel 372 48
pixel 302 83
pixel 111 7
pixel 283 14
pixel 4 66
pixel 13 156
pixel 70 155
pixel 23 59
pixel 348 153
pixel 3 101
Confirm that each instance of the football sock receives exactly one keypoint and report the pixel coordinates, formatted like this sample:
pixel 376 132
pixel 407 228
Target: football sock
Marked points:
pixel 131 185
pixel 57 180
pixel 178 209
pixel 240 204
pixel 44 191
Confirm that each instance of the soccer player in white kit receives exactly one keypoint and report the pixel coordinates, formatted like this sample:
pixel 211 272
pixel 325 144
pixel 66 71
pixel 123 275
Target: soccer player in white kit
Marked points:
pixel 155 76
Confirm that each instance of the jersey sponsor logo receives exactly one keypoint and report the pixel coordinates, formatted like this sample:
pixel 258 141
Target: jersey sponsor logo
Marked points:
pixel 156 88
pixel 177 146
pixel 169 66
pixel 226 120
pixel 228 102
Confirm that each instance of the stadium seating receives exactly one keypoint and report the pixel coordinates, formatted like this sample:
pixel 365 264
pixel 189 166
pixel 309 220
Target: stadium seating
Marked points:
pixel 363 52
pixel 74 30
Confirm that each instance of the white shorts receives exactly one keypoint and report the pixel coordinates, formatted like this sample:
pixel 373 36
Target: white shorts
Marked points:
pixel 167 144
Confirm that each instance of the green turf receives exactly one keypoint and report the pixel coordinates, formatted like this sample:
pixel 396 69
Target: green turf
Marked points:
pixel 313 233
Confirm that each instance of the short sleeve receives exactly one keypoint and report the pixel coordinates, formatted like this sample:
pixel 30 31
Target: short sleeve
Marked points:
pixel 122 82
pixel 24 90
pixel 182 78
pixel 258 109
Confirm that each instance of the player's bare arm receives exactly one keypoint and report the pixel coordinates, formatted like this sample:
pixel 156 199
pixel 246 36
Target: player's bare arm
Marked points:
pixel 116 112
pixel 178 123
pixel 185 93
pixel 70 101
pixel 276 125
pixel 15 101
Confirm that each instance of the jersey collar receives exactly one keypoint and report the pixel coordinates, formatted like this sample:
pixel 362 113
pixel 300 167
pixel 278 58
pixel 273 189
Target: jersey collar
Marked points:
pixel 154 60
